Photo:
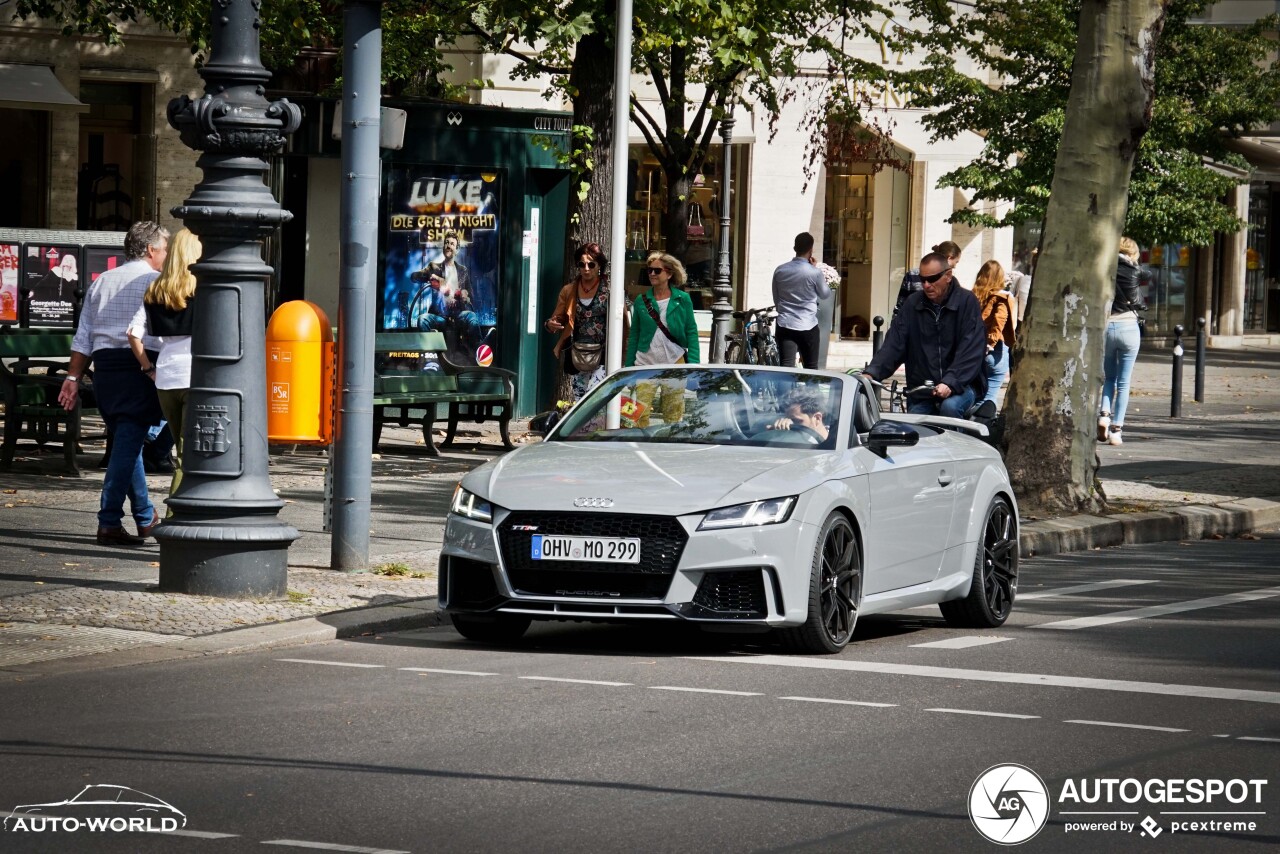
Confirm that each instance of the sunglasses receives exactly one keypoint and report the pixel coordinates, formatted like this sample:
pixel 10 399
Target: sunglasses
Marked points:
pixel 655 271
pixel 931 279
pixel 586 265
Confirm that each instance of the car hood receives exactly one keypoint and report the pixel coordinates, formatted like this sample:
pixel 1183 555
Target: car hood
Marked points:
pixel 646 478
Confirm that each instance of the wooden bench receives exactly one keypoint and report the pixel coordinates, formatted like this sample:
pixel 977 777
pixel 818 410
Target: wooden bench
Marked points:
pixel 412 376
pixel 33 364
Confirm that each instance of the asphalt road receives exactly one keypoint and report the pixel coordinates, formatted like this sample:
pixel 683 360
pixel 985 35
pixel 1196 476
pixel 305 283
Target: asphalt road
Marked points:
pixel 1151 664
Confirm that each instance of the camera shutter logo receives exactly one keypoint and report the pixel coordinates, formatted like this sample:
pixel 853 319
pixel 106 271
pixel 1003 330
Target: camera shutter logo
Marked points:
pixel 1009 804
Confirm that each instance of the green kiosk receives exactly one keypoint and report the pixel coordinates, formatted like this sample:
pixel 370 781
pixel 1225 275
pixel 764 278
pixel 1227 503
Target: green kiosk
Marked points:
pixel 472 235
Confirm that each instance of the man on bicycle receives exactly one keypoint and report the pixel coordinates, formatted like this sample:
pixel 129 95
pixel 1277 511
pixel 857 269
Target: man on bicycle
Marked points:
pixel 797 287
pixel 940 336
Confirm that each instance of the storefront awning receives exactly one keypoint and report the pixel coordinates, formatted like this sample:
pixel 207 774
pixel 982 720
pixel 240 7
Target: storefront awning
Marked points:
pixel 33 87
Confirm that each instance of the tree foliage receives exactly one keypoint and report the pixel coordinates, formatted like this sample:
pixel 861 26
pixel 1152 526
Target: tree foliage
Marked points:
pixel 1211 83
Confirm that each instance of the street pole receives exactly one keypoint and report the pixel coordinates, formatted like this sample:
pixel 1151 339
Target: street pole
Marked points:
pixel 224 538
pixel 353 443
pixel 722 307
pixel 618 232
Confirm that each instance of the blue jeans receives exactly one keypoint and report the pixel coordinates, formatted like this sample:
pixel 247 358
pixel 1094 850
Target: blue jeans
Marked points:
pixel 995 368
pixel 125 477
pixel 1120 352
pixel 954 406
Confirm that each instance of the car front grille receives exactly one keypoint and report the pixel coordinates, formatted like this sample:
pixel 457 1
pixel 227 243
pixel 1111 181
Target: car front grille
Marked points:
pixel 662 540
pixel 738 593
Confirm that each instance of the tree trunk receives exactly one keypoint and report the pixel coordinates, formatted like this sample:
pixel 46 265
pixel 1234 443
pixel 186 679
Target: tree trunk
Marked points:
pixel 591 215
pixel 1055 390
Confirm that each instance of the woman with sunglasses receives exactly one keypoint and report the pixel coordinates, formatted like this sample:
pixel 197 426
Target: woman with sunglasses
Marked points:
pixel 581 319
pixel 664 333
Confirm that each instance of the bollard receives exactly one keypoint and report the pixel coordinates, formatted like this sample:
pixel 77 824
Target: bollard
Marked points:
pixel 877 337
pixel 1201 344
pixel 1175 405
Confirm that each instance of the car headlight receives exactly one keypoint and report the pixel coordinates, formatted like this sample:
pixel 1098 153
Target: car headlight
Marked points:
pixel 470 505
pixel 769 512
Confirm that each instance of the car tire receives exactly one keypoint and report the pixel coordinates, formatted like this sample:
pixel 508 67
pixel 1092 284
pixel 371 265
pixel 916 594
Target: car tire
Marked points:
pixel 490 628
pixel 835 591
pixel 995 573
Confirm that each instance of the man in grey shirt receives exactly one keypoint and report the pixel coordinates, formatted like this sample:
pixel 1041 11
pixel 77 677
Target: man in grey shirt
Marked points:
pixel 797 287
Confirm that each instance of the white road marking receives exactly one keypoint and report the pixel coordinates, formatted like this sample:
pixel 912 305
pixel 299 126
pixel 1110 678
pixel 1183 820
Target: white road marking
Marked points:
pixel 841 702
pixel 704 690
pixel 329 846
pixel 448 672
pixel 1081 588
pixel 576 681
pixel 959 643
pixel 1038 679
pixel 198 834
pixel 1128 726
pixel 1257 738
pixel 986 714
pixel 1162 610
pixel 330 663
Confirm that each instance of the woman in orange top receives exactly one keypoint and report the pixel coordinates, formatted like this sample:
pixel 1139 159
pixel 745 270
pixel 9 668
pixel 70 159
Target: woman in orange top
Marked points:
pixel 997 314
pixel 581 318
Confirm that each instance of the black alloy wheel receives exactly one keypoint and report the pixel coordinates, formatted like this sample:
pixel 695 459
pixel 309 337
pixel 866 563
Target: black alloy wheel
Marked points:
pixel 835 591
pixel 995 573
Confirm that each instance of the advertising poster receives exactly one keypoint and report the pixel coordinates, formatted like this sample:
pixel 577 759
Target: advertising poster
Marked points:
pixel 9 266
pixel 441 271
pixel 100 259
pixel 52 274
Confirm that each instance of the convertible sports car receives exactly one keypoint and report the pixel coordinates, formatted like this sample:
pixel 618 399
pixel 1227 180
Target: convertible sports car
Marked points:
pixel 747 499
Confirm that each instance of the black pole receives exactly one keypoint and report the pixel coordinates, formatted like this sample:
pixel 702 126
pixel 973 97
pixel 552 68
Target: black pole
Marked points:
pixel 877 337
pixel 1175 405
pixel 722 286
pixel 224 538
pixel 1202 342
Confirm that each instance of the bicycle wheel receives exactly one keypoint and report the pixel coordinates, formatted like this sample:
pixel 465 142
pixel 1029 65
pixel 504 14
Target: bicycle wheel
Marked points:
pixel 770 355
pixel 733 355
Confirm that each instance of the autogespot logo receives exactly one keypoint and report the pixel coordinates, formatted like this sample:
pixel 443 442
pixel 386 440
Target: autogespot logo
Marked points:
pixel 1008 804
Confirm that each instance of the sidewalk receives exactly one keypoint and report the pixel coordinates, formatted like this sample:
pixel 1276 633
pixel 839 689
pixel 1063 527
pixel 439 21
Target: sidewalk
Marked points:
pixel 64 598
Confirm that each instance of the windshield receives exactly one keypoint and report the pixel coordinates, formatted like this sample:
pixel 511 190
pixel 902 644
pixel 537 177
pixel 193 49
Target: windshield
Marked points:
pixel 709 405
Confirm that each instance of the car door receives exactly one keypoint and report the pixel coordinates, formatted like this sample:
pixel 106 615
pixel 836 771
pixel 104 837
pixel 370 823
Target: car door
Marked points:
pixel 912 496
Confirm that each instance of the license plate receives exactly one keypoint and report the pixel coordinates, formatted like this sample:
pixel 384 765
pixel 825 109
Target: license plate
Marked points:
pixel 587 549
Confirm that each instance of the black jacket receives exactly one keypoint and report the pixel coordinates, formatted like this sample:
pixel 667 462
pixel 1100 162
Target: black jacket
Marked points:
pixel 947 350
pixel 1128 296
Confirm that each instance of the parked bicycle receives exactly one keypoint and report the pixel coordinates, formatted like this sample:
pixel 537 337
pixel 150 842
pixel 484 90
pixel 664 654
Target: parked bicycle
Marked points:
pixel 755 345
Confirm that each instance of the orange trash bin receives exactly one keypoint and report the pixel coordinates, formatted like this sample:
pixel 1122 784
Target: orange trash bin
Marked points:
pixel 300 375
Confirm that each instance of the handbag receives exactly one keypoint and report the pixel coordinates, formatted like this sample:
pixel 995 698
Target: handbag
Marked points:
pixel 566 361
pixel 695 230
pixel 585 357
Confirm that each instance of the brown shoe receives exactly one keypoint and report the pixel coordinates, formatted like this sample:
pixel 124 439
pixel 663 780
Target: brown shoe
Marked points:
pixel 144 531
pixel 117 537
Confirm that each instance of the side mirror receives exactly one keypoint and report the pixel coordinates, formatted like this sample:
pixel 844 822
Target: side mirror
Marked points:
pixel 884 434
pixel 543 422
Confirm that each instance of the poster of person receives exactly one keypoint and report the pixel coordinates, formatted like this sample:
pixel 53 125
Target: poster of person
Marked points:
pixel 9 264
pixel 441 271
pixel 52 274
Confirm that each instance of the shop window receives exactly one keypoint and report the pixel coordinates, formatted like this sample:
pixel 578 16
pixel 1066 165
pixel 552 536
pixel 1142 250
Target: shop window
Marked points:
pixel 116 183
pixel 24 168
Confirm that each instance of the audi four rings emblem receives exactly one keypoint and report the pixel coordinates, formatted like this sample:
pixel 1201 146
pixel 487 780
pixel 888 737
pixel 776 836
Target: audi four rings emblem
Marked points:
pixel 593 502
pixel 454 118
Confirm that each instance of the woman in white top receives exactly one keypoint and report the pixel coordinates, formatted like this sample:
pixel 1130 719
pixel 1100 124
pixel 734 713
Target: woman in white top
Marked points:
pixel 165 317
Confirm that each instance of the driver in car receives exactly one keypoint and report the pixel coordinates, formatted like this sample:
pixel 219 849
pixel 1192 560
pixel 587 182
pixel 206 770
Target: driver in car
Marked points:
pixel 802 411
pixel 940 335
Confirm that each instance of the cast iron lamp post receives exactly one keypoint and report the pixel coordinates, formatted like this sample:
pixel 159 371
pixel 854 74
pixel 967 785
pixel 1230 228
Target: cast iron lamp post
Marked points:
pixel 224 538
pixel 722 287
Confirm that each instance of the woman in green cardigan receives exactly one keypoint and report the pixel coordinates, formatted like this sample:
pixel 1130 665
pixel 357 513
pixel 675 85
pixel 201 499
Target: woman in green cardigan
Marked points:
pixel 663 332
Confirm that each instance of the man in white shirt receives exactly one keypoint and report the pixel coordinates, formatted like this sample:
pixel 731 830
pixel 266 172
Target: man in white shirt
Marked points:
pixel 797 287
pixel 126 396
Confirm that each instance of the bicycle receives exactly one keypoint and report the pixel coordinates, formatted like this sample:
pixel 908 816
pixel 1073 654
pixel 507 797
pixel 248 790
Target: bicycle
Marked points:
pixel 755 345
pixel 980 411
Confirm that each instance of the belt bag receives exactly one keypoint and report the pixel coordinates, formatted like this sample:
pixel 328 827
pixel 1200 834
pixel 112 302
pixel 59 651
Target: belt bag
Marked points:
pixel 586 357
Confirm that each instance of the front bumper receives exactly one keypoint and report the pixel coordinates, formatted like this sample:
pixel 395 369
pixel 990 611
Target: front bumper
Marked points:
pixel 745 577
